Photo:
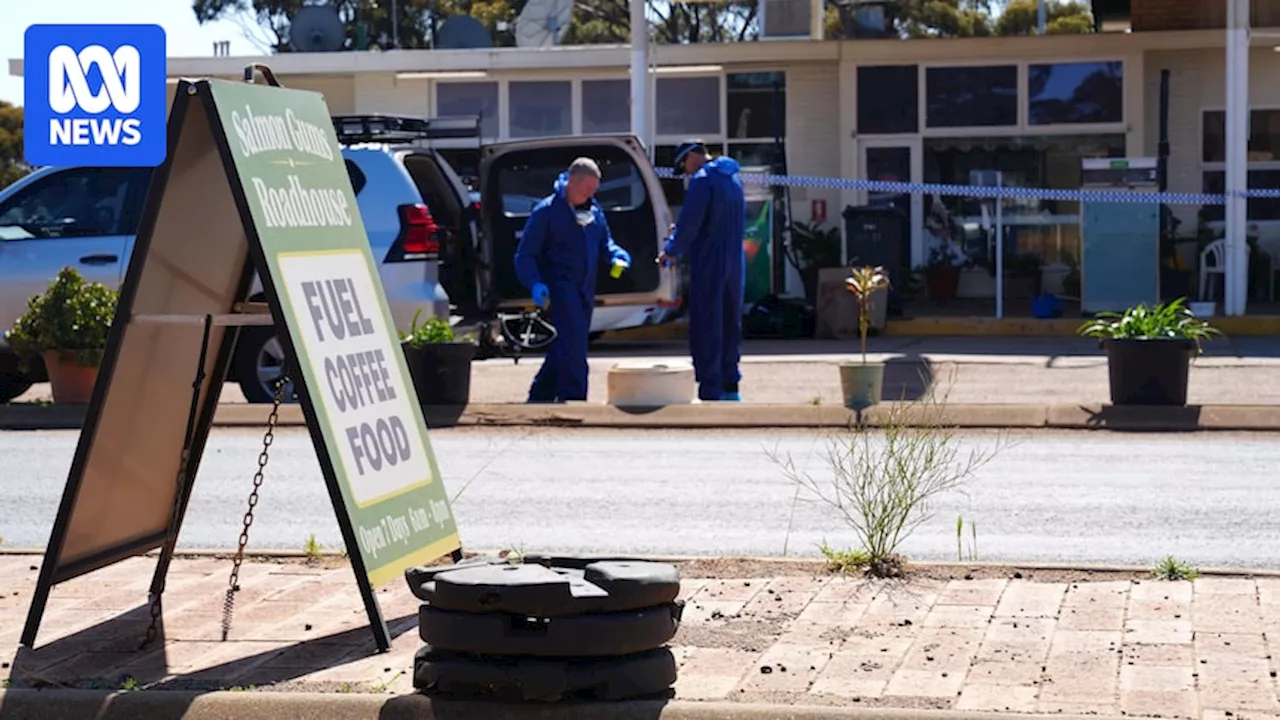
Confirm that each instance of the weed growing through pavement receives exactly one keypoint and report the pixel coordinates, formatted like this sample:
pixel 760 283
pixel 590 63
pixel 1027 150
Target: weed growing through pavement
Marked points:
pixel 882 481
pixel 845 562
pixel 129 684
pixel 971 555
pixel 312 548
pixel 1171 569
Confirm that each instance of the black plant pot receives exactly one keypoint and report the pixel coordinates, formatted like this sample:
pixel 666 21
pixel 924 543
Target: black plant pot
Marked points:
pixel 1149 372
pixel 441 373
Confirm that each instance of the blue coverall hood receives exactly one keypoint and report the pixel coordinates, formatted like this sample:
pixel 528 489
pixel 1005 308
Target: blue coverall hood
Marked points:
pixel 722 165
pixel 560 184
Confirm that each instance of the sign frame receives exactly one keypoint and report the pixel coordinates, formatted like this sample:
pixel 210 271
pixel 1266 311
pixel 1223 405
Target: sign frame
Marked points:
pixel 196 313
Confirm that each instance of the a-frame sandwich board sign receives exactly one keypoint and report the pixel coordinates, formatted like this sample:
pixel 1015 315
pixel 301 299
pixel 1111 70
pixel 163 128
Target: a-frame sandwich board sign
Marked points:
pixel 254 180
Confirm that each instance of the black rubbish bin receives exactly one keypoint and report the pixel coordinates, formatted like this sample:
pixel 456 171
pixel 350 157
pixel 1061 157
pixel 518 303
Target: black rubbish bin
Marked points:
pixel 880 235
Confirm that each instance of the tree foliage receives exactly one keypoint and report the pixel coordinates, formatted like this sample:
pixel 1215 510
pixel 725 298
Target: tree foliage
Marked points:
pixel 368 22
pixel 12 165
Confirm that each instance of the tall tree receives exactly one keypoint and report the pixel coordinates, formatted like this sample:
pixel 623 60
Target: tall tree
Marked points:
pixel 12 165
pixel 594 21
pixel 369 23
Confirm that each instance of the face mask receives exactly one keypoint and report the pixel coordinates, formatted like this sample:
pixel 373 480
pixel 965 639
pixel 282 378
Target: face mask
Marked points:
pixel 585 217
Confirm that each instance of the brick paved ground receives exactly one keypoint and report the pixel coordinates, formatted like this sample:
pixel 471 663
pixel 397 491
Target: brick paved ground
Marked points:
pixel 1196 650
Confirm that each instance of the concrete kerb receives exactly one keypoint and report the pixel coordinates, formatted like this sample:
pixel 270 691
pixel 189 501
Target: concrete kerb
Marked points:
pixel 92 705
pixel 742 416
pixel 299 555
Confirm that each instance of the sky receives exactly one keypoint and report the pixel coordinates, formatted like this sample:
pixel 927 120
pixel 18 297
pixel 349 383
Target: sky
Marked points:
pixel 186 37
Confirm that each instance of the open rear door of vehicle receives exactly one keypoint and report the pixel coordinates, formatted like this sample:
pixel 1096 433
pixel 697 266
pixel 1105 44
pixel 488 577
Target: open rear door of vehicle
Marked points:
pixel 515 176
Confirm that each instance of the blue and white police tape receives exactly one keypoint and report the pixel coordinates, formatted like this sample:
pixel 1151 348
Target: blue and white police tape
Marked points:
pixel 980 191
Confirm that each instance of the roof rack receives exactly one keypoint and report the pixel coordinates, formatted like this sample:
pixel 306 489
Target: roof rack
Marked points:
pixel 352 129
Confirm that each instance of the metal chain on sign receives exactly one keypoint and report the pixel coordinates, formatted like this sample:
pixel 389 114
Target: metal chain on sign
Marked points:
pixel 233 585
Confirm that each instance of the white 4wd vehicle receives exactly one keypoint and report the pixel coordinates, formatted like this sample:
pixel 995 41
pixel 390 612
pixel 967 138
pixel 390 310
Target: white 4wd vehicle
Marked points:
pixel 441 252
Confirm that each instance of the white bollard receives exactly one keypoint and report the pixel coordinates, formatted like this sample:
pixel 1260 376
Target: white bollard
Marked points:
pixel 651 384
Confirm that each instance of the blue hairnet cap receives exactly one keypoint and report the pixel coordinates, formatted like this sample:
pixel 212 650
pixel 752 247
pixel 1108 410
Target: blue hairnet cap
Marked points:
pixel 685 148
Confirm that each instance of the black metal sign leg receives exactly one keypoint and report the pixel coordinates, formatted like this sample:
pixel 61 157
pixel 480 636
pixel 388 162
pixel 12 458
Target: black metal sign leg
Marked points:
pixel 183 481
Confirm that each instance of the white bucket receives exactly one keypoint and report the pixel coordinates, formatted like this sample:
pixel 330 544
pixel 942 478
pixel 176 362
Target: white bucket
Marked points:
pixel 1202 309
pixel 639 384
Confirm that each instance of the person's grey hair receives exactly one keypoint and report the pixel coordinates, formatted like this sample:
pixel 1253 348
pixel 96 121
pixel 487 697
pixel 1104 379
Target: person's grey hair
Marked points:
pixel 584 166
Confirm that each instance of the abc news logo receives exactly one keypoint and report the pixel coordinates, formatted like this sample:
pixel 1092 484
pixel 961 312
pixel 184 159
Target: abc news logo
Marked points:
pixel 70 94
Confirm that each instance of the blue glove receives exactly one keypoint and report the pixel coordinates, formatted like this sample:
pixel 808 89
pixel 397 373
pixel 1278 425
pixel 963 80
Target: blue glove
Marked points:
pixel 541 295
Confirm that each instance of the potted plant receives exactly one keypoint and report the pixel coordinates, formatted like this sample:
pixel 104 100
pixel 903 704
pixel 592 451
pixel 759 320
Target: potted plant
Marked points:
pixel 815 248
pixel 942 273
pixel 863 382
pixel 439 362
pixel 66 327
pixel 1149 351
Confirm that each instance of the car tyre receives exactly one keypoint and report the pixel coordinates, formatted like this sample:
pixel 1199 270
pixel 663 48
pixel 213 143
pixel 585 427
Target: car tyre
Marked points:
pixel 258 362
pixel 13 385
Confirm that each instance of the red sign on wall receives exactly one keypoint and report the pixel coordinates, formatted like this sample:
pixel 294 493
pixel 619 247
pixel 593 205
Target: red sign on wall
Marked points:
pixel 818 210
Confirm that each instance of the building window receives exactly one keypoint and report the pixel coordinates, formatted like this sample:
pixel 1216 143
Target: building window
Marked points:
pixel 888 100
pixel 1215 183
pixel 540 108
pixel 1264 161
pixel 470 98
pixel 971 96
pixel 1264 136
pixel 756 105
pixel 606 106
pixel 1048 228
pixel 1074 93
pixel 763 155
pixel 688 107
pixel 673 188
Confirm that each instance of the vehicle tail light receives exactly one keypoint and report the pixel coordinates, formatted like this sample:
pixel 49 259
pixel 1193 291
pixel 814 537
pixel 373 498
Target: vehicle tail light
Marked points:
pixel 419 235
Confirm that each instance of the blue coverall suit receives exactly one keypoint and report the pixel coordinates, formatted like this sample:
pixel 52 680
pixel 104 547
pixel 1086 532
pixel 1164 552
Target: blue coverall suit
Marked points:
pixel 710 231
pixel 561 248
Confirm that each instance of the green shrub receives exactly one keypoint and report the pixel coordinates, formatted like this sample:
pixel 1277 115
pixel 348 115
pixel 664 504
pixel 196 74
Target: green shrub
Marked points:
pixel 73 316
pixel 1170 321
pixel 435 331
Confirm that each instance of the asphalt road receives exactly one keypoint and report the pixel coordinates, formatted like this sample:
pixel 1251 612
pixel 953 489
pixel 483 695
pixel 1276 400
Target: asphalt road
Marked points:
pixel 1070 497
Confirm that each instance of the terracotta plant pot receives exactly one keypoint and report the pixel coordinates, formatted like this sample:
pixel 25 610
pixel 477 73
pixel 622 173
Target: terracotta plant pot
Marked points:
pixel 72 382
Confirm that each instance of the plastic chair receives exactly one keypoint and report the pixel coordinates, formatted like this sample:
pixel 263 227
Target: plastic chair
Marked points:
pixel 1213 262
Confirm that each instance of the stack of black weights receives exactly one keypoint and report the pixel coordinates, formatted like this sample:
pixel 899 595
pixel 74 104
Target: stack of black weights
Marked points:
pixel 547 628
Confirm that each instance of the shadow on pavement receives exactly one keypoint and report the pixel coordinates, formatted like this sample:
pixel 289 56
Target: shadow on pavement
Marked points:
pixel 907 379
pixel 107 657
pixel 1142 418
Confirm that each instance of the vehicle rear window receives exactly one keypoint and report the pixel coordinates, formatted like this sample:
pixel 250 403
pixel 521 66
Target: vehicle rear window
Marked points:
pixel 525 184
pixel 358 179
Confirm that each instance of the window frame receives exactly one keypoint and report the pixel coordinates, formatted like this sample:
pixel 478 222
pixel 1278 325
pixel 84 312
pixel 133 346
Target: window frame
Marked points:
pixel 500 121
pixel 1206 167
pixel 578 102
pixel 575 103
pixel 1072 128
pixel 922 104
pixel 671 139
pixel 1023 125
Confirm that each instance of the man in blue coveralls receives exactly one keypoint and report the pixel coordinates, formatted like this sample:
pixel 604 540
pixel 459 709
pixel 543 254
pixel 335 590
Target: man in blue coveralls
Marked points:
pixel 557 259
pixel 710 231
